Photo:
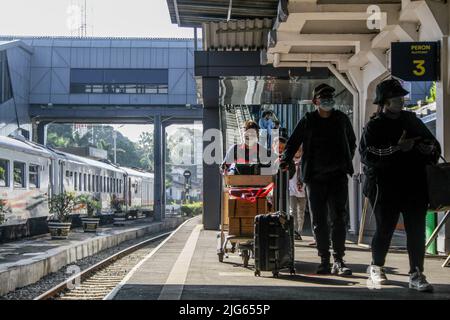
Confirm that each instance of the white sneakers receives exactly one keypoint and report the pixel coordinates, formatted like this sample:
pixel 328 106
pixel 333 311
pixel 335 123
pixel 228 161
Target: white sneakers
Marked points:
pixel 377 275
pixel 417 281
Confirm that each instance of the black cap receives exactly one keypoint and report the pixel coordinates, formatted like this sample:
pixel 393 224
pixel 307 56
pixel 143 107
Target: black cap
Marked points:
pixel 323 91
pixel 389 89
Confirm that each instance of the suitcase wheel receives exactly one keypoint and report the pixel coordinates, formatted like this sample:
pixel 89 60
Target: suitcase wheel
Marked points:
pixel 275 274
pixel 257 273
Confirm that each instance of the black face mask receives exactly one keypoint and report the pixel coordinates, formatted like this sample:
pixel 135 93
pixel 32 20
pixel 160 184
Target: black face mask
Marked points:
pixel 395 105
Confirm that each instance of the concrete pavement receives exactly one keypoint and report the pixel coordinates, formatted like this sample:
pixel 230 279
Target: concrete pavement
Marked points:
pixel 207 278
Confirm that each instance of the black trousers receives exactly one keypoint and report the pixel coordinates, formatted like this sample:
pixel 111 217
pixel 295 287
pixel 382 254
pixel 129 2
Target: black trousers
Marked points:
pixel 327 201
pixel 387 213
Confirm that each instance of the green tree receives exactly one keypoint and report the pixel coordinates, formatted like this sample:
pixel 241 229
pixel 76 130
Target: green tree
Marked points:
pixel 145 148
pixel 432 97
pixel 101 136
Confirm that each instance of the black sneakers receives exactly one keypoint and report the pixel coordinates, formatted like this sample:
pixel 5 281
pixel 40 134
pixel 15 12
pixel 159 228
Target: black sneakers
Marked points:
pixel 324 267
pixel 339 268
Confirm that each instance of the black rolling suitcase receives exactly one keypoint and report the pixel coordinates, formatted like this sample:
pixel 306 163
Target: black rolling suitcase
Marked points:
pixel 274 236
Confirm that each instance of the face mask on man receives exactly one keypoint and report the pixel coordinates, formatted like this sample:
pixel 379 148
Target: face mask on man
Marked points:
pixel 395 105
pixel 326 104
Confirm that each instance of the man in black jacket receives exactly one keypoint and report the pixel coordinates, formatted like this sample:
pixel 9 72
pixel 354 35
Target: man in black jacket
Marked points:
pixel 329 145
pixel 395 148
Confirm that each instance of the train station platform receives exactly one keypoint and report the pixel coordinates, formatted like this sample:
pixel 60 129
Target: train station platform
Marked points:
pixel 24 262
pixel 185 266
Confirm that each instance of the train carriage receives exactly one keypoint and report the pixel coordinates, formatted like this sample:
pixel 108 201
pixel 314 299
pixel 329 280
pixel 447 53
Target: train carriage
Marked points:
pixel 87 176
pixel 31 173
pixel 25 174
pixel 139 189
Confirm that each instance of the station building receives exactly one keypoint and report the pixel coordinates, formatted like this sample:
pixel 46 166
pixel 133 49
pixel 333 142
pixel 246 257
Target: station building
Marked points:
pixel 273 52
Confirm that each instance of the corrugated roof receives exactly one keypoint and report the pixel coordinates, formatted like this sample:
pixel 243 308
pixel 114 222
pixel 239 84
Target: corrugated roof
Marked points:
pixel 249 34
pixel 192 13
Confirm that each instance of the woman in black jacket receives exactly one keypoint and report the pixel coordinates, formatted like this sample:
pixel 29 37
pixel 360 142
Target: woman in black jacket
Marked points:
pixel 395 148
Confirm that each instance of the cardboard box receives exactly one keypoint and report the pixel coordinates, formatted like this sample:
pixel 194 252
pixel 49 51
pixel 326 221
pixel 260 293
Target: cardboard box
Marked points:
pixel 240 208
pixel 241 227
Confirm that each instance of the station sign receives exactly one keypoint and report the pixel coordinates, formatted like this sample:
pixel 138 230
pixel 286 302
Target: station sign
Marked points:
pixel 415 61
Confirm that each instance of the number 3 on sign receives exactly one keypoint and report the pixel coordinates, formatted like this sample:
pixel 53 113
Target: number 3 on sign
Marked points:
pixel 420 69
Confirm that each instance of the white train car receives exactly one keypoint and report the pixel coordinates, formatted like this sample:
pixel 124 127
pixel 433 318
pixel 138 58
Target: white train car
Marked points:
pixel 87 176
pixel 139 189
pixel 26 170
pixel 31 173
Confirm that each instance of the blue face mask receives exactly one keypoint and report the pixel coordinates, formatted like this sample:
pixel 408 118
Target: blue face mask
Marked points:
pixel 327 104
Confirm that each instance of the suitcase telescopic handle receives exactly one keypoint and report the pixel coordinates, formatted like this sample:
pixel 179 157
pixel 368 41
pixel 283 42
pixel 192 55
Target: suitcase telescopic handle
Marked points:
pixel 284 192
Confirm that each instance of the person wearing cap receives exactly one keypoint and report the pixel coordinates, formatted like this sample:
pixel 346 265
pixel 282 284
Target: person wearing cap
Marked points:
pixel 395 147
pixel 329 145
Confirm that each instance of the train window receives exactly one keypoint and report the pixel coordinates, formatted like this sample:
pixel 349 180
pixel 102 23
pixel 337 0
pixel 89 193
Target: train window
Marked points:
pixel 96 184
pixel 84 182
pixel 75 180
pixel 80 176
pixel 19 174
pixel 93 183
pixel 120 186
pixel 89 182
pixel 104 184
pixel 67 173
pixel 33 176
pixel 114 185
pixel 4 173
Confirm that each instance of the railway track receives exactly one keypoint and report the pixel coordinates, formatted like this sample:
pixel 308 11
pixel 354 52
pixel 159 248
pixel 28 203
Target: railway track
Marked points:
pixel 97 281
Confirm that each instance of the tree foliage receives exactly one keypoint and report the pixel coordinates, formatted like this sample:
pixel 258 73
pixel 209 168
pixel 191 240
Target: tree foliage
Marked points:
pixel 128 153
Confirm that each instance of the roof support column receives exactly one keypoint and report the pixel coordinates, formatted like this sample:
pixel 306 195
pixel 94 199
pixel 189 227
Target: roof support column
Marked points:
pixel 443 127
pixel 40 132
pixel 212 180
pixel 158 150
pixel 365 80
pixel 354 184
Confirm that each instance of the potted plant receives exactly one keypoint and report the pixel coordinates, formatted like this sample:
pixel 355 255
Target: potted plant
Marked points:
pixel 92 205
pixel 61 206
pixel 117 207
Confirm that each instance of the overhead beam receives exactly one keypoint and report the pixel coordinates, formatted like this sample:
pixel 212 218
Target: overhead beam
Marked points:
pixel 65 113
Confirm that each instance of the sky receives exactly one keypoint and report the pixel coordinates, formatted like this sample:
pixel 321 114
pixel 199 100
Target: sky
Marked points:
pixel 105 18
pixel 133 131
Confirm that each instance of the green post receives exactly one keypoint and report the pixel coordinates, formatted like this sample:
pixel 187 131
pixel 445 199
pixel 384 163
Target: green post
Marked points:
pixel 430 223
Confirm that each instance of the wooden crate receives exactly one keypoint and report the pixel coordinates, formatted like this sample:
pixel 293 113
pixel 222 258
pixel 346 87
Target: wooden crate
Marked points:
pixel 240 208
pixel 247 180
pixel 241 227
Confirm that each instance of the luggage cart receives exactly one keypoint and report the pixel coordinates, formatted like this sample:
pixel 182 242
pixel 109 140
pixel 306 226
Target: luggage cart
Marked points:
pixel 243 242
